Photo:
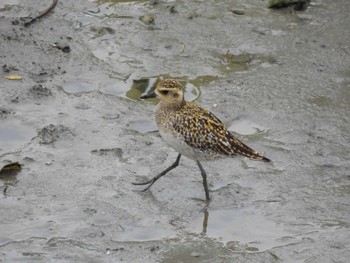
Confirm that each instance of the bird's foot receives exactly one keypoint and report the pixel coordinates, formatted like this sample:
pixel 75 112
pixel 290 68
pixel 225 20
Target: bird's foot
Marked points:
pixel 149 183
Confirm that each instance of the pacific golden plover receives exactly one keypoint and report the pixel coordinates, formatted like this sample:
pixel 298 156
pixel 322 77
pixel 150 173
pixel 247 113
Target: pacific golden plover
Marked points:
pixel 193 131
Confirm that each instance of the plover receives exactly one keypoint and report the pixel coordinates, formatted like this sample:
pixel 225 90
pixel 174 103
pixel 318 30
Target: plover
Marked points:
pixel 193 132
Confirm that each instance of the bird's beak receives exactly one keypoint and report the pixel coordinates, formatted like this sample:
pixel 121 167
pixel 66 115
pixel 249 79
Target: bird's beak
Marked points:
pixel 149 95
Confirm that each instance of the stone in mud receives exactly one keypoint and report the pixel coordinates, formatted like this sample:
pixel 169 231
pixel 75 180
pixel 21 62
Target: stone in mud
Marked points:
pixel 192 15
pixel 62 45
pixel 239 12
pixel 172 9
pixel 147 19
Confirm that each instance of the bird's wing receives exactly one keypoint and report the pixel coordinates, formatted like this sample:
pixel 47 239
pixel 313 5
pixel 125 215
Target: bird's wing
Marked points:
pixel 201 129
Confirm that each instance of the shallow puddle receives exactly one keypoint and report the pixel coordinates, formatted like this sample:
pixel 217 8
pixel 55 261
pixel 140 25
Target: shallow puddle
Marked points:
pixel 86 81
pixel 242 228
pixel 131 88
pixel 14 134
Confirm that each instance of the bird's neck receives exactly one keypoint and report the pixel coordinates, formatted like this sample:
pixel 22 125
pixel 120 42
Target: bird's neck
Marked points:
pixel 172 105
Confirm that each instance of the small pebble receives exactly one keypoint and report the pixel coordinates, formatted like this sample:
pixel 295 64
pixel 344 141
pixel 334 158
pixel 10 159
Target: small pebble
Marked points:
pixel 196 254
pixel 61 45
pixel 147 19
pixel 192 15
pixel 238 12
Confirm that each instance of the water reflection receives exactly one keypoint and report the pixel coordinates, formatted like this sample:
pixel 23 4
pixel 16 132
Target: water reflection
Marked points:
pixel 8 175
pixel 242 229
pixel 205 222
pixel 146 85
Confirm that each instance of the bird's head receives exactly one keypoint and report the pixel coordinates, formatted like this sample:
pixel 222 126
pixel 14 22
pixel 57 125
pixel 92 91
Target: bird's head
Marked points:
pixel 168 91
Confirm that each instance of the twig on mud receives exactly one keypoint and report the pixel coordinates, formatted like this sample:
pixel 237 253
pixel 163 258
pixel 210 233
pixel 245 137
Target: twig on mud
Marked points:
pixel 51 7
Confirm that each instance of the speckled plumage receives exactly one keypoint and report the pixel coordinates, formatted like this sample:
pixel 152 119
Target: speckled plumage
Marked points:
pixel 193 131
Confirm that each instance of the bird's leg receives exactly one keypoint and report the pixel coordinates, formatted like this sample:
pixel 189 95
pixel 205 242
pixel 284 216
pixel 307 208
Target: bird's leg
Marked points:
pixel 154 179
pixel 205 183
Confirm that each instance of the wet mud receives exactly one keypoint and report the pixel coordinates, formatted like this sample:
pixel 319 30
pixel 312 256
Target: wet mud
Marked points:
pixel 70 118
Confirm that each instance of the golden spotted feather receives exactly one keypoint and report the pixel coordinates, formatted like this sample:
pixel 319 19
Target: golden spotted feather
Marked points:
pixel 202 131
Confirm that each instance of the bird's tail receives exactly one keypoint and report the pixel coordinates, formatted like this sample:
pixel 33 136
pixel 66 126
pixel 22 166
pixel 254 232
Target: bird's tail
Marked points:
pixel 255 156
pixel 265 159
pixel 242 149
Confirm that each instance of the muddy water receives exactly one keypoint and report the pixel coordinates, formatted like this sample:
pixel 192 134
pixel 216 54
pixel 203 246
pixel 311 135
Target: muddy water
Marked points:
pixel 280 80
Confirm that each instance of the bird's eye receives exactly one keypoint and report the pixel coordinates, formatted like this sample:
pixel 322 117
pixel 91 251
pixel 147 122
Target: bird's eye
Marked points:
pixel 164 92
